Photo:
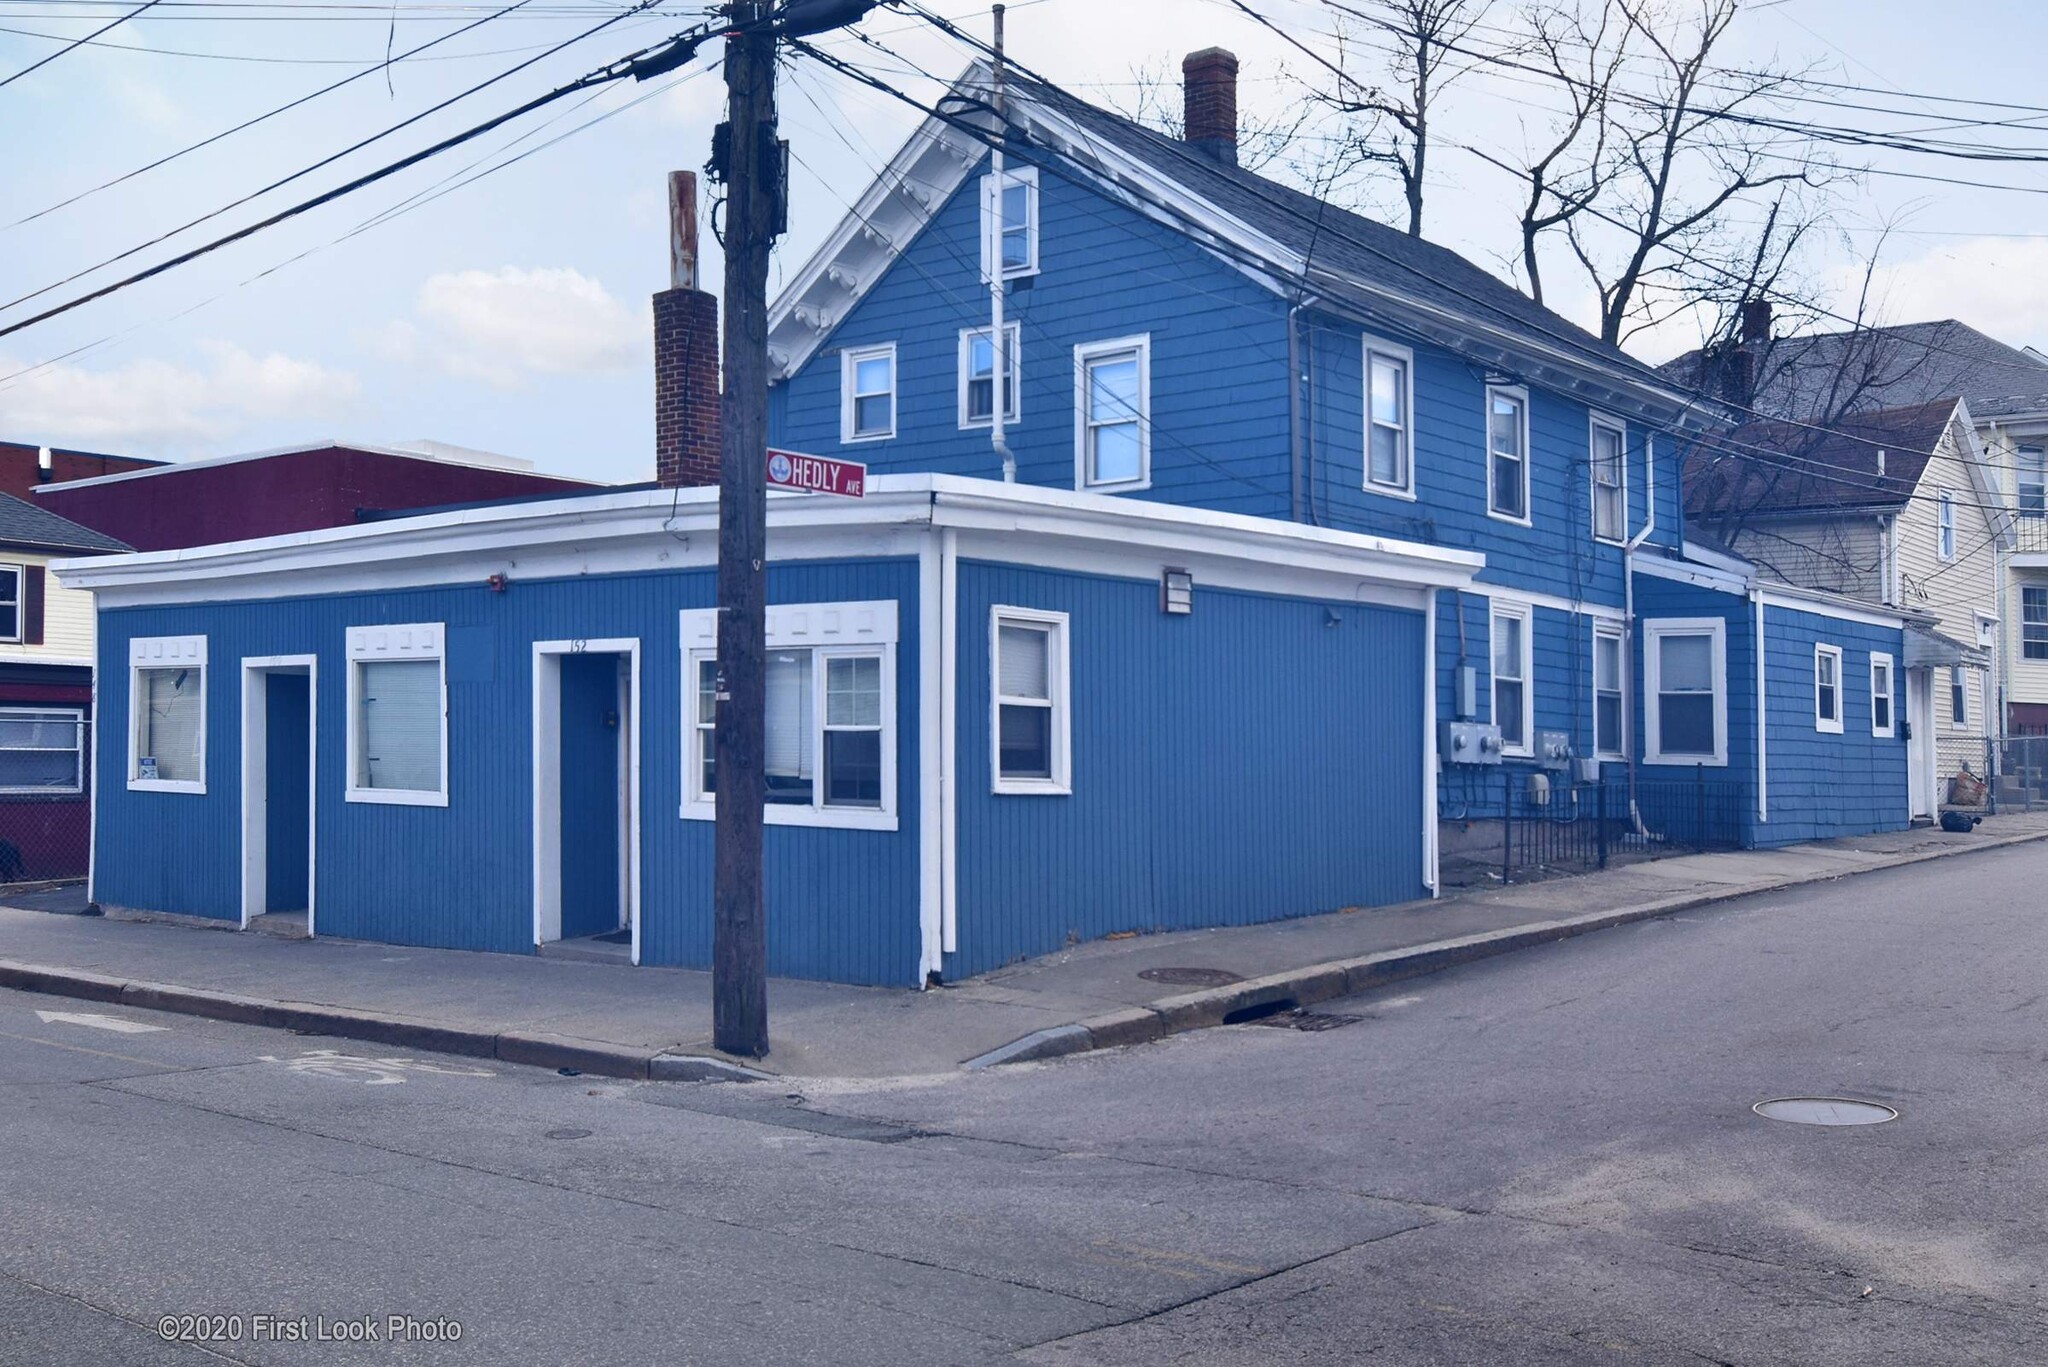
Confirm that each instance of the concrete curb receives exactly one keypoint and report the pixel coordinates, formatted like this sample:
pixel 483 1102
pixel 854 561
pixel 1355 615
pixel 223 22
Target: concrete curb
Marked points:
pixel 1306 986
pixel 594 1057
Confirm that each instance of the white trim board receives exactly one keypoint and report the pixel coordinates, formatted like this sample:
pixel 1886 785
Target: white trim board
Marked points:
pixel 256 671
pixel 547 784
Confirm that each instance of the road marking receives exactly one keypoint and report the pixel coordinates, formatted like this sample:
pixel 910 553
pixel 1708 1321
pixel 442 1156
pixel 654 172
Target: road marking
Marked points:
pixel 81 1049
pixel 371 1072
pixel 99 1022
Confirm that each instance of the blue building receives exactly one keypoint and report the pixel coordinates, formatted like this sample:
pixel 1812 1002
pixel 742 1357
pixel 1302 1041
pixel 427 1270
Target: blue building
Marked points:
pixel 1180 330
pixel 1001 719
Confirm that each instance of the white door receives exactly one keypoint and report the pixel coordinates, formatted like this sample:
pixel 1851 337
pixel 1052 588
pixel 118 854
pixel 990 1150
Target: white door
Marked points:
pixel 1920 742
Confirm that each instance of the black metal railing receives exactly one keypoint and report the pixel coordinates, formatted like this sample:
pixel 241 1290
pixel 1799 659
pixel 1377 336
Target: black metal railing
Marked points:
pixel 1553 826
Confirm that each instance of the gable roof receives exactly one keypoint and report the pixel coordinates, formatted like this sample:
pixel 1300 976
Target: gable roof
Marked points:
pixel 1289 241
pixel 24 525
pixel 1870 369
pixel 1865 463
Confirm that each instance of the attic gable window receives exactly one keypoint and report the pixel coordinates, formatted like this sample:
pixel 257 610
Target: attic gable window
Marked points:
pixel 1945 526
pixel 1507 454
pixel 1015 234
pixel 867 393
pixel 978 376
pixel 1112 414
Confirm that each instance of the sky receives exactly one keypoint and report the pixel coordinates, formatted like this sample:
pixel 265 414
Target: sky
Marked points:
pixel 497 297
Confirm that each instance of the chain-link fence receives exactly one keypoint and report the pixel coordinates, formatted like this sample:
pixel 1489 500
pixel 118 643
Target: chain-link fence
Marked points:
pixel 45 805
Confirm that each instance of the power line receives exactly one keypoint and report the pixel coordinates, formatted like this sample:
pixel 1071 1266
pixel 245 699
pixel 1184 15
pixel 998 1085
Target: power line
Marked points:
pixel 264 117
pixel 74 45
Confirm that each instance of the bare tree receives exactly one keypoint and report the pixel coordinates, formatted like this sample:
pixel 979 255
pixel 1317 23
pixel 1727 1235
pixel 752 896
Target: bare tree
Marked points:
pixel 1267 141
pixel 1567 174
pixel 1678 159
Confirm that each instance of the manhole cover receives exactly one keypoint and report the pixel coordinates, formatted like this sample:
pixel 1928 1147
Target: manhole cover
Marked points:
pixel 1314 1021
pixel 1825 1110
pixel 568 1134
pixel 1191 977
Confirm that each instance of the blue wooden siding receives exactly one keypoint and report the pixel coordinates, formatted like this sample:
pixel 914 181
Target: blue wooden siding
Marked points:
pixel 1219 354
pixel 1249 762
pixel 841 904
pixel 1664 598
pixel 1823 784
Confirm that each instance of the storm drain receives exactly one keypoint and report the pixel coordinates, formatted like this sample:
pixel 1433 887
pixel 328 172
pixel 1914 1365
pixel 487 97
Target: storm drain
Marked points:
pixel 1306 1020
pixel 1825 1110
pixel 1191 977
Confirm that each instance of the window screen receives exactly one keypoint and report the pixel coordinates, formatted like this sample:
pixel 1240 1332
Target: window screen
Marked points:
pixel 1685 694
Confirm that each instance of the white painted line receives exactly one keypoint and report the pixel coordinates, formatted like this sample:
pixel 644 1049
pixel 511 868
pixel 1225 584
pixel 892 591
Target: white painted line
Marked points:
pixel 371 1072
pixel 98 1022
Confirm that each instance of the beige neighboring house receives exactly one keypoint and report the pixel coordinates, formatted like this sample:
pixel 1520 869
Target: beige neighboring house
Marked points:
pixel 1902 507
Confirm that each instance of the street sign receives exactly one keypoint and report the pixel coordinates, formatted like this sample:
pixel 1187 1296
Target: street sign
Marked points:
pixel 816 474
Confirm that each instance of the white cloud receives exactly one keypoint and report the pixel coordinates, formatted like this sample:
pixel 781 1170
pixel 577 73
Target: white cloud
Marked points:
pixel 507 325
pixel 155 405
pixel 1998 285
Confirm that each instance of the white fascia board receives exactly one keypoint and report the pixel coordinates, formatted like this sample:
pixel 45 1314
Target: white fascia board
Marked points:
pixel 1821 604
pixel 652 529
pixel 1983 478
pixel 1712 559
pixel 1700 576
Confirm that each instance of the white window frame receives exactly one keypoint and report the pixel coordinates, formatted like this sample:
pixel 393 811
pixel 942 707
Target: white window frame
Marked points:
pixel 1521 396
pixel 991 207
pixel 1060 685
pixel 394 641
pixel 1611 631
pixel 1599 423
pixel 829 631
pixel 164 652
pixel 2032 454
pixel 76 717
pixel 1821 721
pixel 849 367
pixel 1013 410
pixel 1085 354
pixel 1945 525
pixel 20 633
pixel 1526 614
pixel 1654 631
pixel 1405 358
pixel 1881 660
pixel 2027 654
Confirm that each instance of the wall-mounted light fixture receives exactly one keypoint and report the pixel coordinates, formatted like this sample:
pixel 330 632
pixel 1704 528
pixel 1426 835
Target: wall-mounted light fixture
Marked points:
pixel 1176 592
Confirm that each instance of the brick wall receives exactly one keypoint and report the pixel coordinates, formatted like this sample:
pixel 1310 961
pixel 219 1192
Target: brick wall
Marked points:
pixel 686 430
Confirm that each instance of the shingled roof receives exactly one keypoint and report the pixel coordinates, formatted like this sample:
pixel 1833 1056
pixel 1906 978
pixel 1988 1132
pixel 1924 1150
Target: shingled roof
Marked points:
pixel 28 527
pixel 1867 461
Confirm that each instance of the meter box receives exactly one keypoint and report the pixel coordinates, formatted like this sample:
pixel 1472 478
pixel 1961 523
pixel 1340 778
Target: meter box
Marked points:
pixel 1468 742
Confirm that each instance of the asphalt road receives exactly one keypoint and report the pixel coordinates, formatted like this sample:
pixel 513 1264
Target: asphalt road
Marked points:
pixel 1549 1158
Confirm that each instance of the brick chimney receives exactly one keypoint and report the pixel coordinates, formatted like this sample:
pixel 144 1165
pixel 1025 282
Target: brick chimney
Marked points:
pixel 1756 321
pixel 686 430
pixel 1209 85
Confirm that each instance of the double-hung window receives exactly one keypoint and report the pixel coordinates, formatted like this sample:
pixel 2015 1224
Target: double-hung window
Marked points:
pixel 1507 454
pixel 1112 414
pixel 829 740
pixel 1959 698
pixel 978 375
pixel 1610 481
pixel 1015 235
pixel 867 389
pixel 167 714
pixel 1827 688
pixel 10 602
pixel 1029 693
pixel 2034 621
pixel 1609 695
pixel 2031 468
pixel 1389 397
pixel 1945 525
pixel 1686 692
pixel 42 750
pixel 1880 694
pixel 1513 702
pixel 398 714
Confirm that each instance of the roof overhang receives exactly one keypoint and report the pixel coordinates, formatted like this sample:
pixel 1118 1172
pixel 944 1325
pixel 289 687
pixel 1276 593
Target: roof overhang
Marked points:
pixel 653 529
pixel 1927 648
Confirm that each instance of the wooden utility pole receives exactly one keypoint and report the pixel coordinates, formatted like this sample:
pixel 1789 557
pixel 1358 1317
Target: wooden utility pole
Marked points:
pixel 739 945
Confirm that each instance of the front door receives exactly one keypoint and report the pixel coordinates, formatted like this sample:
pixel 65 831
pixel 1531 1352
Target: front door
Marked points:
pixel 1920 742
pixel 591 795
pixel 287 780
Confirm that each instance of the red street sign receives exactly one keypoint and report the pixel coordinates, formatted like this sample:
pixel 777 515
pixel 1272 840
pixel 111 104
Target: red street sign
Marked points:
pixel 816 474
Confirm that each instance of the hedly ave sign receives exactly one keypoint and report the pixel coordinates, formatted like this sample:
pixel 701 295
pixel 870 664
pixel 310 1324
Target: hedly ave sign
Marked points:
pixel 816 474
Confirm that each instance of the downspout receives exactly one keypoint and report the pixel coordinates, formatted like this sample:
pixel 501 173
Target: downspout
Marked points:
pixel 1294 460
pixel 1763 711
pixel 999 342
pixel 1628 623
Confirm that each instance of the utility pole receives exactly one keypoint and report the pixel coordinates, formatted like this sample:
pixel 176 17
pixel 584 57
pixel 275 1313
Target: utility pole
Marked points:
pixel 739 940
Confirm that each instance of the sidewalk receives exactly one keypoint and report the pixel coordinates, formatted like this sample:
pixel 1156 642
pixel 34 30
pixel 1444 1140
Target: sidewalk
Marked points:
pixel 639 1022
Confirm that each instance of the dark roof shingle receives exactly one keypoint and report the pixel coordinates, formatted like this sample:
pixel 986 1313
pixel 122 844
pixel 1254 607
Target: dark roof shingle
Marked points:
pixel 25 525
pixel 1866 461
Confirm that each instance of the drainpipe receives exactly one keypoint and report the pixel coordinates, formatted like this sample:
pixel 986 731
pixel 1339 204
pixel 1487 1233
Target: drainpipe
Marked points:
pixel 1628 621
pixel 999 342
pixel 1763 710
pixel 1294 458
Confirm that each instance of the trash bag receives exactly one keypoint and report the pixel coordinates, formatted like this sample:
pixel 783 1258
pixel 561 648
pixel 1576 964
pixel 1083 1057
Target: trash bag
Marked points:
pixel 1962 823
